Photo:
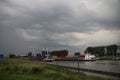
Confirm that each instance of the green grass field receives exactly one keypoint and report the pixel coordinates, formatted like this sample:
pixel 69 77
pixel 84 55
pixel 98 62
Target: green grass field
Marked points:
pixel 18 69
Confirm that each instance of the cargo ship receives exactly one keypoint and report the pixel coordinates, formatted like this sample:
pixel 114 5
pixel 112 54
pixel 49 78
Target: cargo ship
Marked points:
pixel 86 57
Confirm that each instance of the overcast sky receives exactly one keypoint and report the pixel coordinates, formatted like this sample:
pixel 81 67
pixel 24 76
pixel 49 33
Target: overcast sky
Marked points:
pixel 58 24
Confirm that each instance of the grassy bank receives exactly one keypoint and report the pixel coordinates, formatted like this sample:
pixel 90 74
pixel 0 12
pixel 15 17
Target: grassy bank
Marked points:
pixel 109 57
pixel 17 69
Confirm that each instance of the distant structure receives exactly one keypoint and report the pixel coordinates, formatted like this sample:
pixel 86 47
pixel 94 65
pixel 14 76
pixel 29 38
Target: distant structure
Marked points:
pixel 12 55
pixel 1 56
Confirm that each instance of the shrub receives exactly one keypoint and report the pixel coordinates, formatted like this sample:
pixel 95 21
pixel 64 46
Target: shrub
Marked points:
pixel 25 69
pixel 36 70
pixel 16 68
pixel 7 68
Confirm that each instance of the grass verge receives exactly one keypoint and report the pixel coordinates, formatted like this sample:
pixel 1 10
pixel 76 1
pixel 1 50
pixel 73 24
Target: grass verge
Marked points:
pixel 17 69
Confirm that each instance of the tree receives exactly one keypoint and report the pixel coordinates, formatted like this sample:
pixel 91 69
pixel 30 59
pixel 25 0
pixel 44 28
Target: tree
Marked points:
pixel 39 55
pixel 77 53
pixel 97 50
pixel 112 49
pixel 89 50
pixel 59 53
pixel 44 53
pixel 12 56
pixel 118 51
pixel 100 50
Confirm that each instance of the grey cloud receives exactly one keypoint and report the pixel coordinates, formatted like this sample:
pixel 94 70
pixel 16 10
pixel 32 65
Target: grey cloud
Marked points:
pixel 53 18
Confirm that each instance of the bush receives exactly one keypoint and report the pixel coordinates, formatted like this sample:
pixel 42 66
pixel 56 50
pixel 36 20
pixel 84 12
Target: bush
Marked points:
pixel 7 68
pixel 16 68
pixel 36 70
pixel 25 70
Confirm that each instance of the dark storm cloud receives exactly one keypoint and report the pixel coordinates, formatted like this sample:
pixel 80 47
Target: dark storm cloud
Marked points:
pixel 59 19
pixel 51 24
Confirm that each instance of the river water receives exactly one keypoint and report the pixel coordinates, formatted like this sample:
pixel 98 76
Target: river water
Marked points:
pixel 102 65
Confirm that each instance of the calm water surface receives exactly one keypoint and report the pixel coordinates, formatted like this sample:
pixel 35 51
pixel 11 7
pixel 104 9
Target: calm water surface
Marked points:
pixel 103 65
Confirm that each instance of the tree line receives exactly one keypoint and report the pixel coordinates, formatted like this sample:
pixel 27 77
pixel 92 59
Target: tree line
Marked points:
pixel 103 50
pixel 96 50
pixel 53 53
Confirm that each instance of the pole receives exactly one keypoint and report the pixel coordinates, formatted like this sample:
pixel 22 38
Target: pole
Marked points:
pixel 78 65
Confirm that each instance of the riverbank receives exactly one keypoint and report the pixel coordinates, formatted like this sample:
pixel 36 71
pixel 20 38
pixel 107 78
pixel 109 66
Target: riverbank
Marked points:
pixel 17 69
pixel 109 58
